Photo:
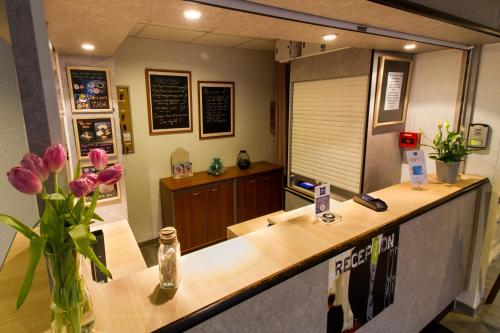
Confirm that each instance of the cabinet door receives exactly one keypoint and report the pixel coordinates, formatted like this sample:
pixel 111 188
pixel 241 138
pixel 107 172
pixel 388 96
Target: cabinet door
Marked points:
pixel 246 199
pixel 190 218
pixel 270 192
pixel 220 211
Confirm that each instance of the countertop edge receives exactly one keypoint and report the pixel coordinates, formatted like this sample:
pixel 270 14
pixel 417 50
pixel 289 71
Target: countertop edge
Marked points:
pixel 242 295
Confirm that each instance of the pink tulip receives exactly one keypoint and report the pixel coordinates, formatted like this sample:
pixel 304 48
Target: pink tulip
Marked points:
pixel 81 187
pixel 36 165
pixel 99 158
pixel 24 180
pixel 110 175
pixel 91 178
pixel 55 157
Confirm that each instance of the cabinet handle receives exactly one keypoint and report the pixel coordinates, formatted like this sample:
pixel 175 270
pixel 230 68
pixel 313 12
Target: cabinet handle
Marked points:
pixel 196 193
pixel 253 181
pixel 214 189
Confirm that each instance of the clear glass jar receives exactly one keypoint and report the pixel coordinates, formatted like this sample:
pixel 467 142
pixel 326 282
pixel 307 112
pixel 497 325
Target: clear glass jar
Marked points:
pixel 169 259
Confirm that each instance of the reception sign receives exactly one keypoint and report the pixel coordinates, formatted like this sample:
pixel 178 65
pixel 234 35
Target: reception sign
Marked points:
pixel 361 282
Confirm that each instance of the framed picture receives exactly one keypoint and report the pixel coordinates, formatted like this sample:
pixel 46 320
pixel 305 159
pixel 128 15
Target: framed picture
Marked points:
pixel 393 81
pixel 216 109
pixel 107 193
pixel 169 101
pixel 94 132
pixel 89 89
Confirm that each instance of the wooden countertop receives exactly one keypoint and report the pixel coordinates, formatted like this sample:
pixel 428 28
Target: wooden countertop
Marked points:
pixel 222 275
pixel 122 255
pixel 232 172
pixel 252 225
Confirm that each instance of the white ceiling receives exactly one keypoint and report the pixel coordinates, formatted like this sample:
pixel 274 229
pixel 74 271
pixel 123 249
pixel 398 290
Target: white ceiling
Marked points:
pixel 107 23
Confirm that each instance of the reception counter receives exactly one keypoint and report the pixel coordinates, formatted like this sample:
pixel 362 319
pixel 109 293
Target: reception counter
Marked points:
pixel 275 279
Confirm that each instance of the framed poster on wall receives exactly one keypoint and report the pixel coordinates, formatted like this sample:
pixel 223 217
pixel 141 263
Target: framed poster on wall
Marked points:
pixel 169 101
pixel 89 89
pixel 107 193
pixel 94 132
pixel 216 109
pixel 391 99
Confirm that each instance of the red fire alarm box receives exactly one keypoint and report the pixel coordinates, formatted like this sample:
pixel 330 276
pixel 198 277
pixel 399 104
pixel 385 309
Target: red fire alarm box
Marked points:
pixel 409 139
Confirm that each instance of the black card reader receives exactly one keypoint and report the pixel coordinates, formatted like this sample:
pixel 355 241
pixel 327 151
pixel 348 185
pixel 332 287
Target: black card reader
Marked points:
pixel 370 202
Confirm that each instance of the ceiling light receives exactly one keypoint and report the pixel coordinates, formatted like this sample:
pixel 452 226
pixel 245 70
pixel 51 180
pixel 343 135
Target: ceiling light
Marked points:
pixel 329 37
pixel 88 47
pixel 192 14
pixel 410 46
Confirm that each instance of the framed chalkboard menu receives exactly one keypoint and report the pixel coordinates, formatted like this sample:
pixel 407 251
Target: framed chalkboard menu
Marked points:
pixel 169 101
pixel 216 109
pixel 391 99
pixel 96 131
pixel 89 89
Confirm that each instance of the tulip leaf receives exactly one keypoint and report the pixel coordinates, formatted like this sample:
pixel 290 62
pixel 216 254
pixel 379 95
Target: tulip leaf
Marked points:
pixel 37 245
pixel 18 225
pixel 81 237
pixel 90 211
pixel 56 196
pixel 97 217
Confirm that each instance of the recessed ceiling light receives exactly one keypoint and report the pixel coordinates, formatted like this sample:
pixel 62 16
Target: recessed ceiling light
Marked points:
pixel 410 46
pixel 192 14
pixel 329 37
pixel 88 47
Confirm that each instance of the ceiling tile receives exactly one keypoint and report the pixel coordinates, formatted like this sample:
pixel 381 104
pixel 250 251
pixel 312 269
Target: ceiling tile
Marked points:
pixel 135 30
pixel 169 33
pixel 259 44
pixel 221 40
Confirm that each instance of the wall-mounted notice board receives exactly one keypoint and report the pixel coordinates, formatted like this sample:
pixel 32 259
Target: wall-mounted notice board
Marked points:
pixel 391 100
pixel 89 89
pixel 216 109
pixel 169 101
pixel 96 131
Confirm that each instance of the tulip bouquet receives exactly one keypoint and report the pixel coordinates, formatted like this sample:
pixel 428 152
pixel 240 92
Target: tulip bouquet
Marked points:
pixel 63 231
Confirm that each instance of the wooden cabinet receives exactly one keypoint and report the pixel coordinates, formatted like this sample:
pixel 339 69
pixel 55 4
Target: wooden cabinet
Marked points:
pixel 259 195
pixel 190 208
pixel 203 206
pixel 220 211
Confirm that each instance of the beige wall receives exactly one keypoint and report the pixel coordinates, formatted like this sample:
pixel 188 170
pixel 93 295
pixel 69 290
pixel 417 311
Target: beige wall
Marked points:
pixel 253 74
pixel 433 95
pixel 13 145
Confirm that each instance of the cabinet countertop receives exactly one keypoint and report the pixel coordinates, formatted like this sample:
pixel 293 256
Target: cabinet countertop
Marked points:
pixel 203 178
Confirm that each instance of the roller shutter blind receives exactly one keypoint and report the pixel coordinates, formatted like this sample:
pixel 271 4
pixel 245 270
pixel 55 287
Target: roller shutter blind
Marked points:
pixel 328 129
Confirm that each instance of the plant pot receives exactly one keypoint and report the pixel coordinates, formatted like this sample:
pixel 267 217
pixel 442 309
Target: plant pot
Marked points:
pixel 71 306
pixel 447 172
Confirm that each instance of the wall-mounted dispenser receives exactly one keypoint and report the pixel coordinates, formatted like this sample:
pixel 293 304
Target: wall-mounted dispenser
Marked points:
pixel 478 136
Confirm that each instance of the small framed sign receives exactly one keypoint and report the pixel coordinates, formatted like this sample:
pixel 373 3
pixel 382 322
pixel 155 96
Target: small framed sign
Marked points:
pixel 169 101
pixel 94 132
pixel 89 89
pixel 393 81
pixel 107 193
pixel 216 109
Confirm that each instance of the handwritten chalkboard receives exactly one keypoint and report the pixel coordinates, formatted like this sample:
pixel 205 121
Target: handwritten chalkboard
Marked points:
pixel 89 89
pixel 169 101
pixel 216 109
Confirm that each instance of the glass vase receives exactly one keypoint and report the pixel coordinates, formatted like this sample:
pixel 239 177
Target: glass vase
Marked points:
pixel 71 306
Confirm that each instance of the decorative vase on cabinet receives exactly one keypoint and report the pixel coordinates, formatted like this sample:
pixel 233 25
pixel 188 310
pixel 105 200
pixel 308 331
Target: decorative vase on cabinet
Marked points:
pixel 216 168
pixel 243 160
